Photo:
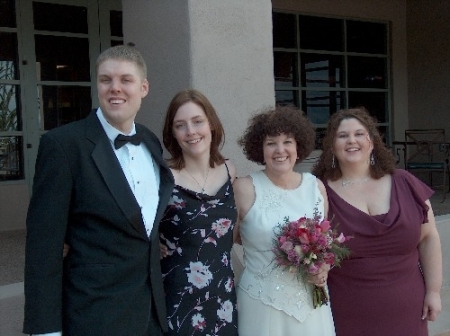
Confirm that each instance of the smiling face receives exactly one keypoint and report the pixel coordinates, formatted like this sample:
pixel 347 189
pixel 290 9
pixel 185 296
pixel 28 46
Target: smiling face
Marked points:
pixel 352 143
pixel 121 87
pixel 280 153
pixel 191 129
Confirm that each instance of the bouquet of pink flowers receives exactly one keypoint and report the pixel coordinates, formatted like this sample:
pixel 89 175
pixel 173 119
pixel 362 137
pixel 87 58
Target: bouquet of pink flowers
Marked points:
pixel 304 245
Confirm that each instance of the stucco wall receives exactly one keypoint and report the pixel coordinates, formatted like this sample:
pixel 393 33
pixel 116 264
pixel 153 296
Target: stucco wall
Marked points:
pixel 429 64
pixel 222 48
pixel 14 199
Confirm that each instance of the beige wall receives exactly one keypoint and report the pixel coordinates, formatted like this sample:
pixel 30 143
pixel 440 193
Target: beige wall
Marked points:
pixel 223 48
pixel 14 199
pixel 429 64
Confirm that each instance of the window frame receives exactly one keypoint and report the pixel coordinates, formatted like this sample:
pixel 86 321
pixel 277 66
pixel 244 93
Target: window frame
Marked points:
pixel 301 87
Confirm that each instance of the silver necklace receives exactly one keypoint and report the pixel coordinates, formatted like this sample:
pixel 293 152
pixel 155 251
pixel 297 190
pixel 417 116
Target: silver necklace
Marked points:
pixel 346 183
pixel 204 181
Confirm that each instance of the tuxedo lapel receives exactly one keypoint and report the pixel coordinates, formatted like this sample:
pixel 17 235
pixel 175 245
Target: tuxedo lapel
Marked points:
pixel 109 167
pixel 166 178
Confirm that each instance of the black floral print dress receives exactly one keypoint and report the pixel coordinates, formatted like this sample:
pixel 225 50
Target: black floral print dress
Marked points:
pixel 198 277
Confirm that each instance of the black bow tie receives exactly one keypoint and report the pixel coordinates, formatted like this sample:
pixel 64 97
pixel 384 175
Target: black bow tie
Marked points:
pixel 121 140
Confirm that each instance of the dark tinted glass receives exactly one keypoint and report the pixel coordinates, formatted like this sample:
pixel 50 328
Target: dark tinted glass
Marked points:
pixel 7 13
pixel 116 42
pixel 62 58
pixel 284 98
pixel 374 102
pixel 367 72
pixel 8 56
pixel 10 117
pixel 115 21
pixel 64 104
pixel 366 37
pixel 321 33
pixel 320 133
pixel 285 69
pixel 284 30
pixel 61 18
pixel 322 70
pixel 319 105
pixel 11 158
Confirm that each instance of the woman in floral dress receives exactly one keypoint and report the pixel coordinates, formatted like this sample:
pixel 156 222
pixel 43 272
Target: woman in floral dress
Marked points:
pixel 197 229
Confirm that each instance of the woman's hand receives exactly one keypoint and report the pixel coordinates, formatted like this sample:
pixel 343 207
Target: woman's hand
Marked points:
pixel 320 278
pixel 432 306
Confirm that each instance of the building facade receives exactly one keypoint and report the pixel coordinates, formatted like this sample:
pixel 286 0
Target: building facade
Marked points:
pixel 321 55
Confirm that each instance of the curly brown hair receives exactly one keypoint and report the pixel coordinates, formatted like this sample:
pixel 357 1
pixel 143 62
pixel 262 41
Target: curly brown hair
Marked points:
pixel 217 132
pixel 273 122
pixel 384 159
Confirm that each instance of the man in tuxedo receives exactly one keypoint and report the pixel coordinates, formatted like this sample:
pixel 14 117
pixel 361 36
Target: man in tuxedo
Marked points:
pixel 101 185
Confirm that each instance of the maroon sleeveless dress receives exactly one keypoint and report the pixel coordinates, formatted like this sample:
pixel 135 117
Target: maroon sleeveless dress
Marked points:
pixel 380 289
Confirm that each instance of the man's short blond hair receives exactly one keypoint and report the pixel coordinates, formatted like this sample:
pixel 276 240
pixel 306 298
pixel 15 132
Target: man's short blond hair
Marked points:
pixel 123 53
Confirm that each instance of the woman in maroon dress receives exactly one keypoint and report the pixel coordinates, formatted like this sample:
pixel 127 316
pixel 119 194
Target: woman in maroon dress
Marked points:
pixel 391 283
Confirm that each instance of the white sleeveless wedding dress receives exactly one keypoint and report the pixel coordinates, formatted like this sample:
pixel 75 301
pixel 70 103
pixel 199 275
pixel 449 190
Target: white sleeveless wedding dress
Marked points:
pixel 272 302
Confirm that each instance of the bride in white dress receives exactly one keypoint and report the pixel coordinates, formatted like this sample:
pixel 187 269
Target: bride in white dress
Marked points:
pixel 272 302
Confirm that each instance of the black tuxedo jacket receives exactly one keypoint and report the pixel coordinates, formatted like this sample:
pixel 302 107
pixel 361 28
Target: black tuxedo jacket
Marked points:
pixel 110 283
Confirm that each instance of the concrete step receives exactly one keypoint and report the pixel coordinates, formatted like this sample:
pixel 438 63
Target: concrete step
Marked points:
pixel 12 301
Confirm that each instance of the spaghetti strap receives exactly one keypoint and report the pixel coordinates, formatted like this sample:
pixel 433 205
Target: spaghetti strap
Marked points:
pixel 226 166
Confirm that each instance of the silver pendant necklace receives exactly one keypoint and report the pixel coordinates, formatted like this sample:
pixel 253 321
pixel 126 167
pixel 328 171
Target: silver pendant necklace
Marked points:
pixel 202 187
pixel 346 183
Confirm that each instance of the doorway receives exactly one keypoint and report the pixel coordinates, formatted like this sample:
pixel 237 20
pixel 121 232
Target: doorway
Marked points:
pixel 46 70
pixel 47 63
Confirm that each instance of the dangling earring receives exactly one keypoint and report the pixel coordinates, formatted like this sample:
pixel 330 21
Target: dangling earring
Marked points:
pixel 333 163
pixel 372 159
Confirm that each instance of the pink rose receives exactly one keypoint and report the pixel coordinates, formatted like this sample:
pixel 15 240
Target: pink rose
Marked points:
pixel 287 246
pixel 325 225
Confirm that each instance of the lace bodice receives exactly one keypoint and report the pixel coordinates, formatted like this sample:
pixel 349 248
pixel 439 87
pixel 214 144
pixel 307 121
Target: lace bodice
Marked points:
pixel 260 279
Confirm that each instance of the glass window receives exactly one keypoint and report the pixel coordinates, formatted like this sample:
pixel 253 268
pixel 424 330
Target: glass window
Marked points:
pixel 8 56
pixel 366 37
pixel 63 104
pixel 65 61
pixel 374 102
pixel 367 72
pixel 116 42
pixel 7 14
pixel 10 118
pixel 285 68
pixel 284 32
pixel 321 33
pixel 285 98
pixel 320 105
pixel 321 70
pixel 60 18
pixel 11 158
pixel 115 19
pixel 338 64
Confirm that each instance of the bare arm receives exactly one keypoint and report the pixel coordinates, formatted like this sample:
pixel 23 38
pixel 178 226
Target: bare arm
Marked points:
pixel 431 262
pixel 244 195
